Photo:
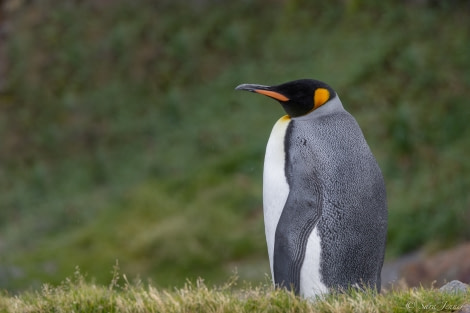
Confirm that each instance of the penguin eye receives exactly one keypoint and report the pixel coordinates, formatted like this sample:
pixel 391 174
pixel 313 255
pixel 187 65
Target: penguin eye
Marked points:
pixel 320 96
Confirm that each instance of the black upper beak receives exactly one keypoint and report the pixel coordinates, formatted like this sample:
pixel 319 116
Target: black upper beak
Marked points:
pixel 252 87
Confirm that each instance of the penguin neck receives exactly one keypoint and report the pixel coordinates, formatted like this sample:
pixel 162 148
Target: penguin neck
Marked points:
pixel 332 106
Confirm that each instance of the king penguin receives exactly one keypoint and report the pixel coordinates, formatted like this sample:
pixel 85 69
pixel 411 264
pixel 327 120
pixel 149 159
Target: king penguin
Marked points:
pixel 324 199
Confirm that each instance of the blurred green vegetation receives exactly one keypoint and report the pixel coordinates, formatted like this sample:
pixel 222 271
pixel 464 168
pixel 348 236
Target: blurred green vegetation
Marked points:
pixel 122 137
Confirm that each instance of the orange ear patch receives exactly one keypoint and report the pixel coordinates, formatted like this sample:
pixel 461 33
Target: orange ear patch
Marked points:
pixel 320 97
pixel 272 94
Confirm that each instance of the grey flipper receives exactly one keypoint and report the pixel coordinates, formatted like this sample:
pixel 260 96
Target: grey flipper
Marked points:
pixel 301 213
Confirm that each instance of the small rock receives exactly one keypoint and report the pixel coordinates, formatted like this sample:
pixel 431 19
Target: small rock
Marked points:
pixel 465 309
pixel 454 286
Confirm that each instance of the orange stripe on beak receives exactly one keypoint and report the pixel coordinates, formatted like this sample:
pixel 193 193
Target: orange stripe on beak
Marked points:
pixel 272 94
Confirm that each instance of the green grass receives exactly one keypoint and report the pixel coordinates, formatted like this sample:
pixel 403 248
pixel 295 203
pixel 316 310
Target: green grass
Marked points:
pixel 122 137
pixel 79 295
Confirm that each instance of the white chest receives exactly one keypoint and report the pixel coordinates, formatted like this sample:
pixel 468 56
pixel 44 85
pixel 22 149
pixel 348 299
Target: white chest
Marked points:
pixel 275 186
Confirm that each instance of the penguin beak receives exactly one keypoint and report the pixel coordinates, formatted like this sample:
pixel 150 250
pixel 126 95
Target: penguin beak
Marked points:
pixel 264 90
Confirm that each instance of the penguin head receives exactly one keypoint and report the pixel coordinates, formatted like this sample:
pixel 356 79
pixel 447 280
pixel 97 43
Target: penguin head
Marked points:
pixel 298 97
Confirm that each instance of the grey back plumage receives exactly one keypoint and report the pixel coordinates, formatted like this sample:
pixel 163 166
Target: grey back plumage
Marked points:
pixel 336 186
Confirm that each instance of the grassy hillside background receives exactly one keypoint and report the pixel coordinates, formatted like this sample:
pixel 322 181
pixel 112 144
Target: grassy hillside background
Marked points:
pixel 122 137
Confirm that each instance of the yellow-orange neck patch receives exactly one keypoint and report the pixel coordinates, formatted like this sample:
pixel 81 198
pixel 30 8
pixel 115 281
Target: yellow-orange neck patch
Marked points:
pixel 321 96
